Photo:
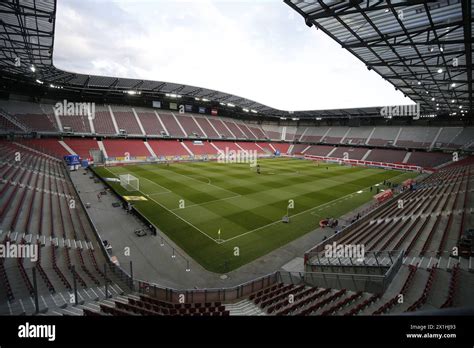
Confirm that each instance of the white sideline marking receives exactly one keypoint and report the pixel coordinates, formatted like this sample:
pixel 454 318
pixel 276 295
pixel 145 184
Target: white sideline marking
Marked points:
pixel 238 195
pixel 158 193
pixel 167 190
pixel 302 212
pixel 248 232
pixel 172 212
pixel 278 221
pixel 201 204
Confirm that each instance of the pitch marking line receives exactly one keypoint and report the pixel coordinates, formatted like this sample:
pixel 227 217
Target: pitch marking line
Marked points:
pixel 172 212
pixel 226 198
pixel 302 212
pixel 278 221
pixel 190 177
pixel 154 183
pixel 204 203
pixel 236 196
pixel 248 232
pixel 158 193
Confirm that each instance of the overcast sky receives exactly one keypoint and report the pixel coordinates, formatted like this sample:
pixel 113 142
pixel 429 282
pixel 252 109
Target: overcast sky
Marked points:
pixel 257 49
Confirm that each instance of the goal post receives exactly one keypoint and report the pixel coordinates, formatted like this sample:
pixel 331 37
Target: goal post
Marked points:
pixel 129 182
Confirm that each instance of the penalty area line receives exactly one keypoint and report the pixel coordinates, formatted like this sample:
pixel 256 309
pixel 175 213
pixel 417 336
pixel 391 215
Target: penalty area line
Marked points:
pixel 208 202
pixel 172 212
pixel 154 183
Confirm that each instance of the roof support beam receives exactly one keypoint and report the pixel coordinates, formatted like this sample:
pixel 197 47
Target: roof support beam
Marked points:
pixel 467 18
pixel 348 10
pixel 409 44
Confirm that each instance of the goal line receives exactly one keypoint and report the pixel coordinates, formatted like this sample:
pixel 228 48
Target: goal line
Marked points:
pixel 129 182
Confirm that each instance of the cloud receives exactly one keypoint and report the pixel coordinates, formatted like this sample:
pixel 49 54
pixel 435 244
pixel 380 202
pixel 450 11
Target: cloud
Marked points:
pixel 261 51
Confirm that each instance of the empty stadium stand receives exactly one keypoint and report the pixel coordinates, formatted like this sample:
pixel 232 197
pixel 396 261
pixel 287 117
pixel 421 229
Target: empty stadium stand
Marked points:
pixel 221 128
pixel 416 137
pixel 319 150
pixel 314 134
pixel 409 209
pixel 82 146
pixel 427 159
pixel 257 131
pixel 247 146
pixel 37 192
pixel 390 156
pixel 299 149
pixel 201 147
pixel 125 119
pixel 190 126
pixel 150 122
pixel 381 136
pixel 273 132
pixel 234 129
pixel 48 146
pixel 112 120
pixel 247 131
pixel 168 148
pixel 137 148
pixel 103 123
pixel 226 146
pixel 126 148
pixel 146 305
pixel 349 153
pixel 206 126
pixel 6 125
pixel 267 147
pixel 335 135
pixel 357 135
pixel 282 148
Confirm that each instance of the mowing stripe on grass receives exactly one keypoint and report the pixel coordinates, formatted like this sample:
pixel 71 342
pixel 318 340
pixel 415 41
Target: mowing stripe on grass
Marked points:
pixel 172 212
pixel 261 201
pixel 202 204
pixel 301 212
pixel 297 214
pixel 190 177
pixel 159 193
pixel 166 190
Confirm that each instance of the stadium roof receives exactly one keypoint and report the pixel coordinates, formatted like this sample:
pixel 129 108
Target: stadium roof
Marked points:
pixel 422 47
pixel 404 52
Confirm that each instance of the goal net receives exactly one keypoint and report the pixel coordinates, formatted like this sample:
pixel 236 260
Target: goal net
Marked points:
pixel 129 182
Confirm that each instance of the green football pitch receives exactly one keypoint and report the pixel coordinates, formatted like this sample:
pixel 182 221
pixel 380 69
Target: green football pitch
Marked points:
pixel 191 202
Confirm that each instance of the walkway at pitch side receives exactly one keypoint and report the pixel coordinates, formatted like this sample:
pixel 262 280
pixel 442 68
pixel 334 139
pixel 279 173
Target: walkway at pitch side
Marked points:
pixel 153 261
